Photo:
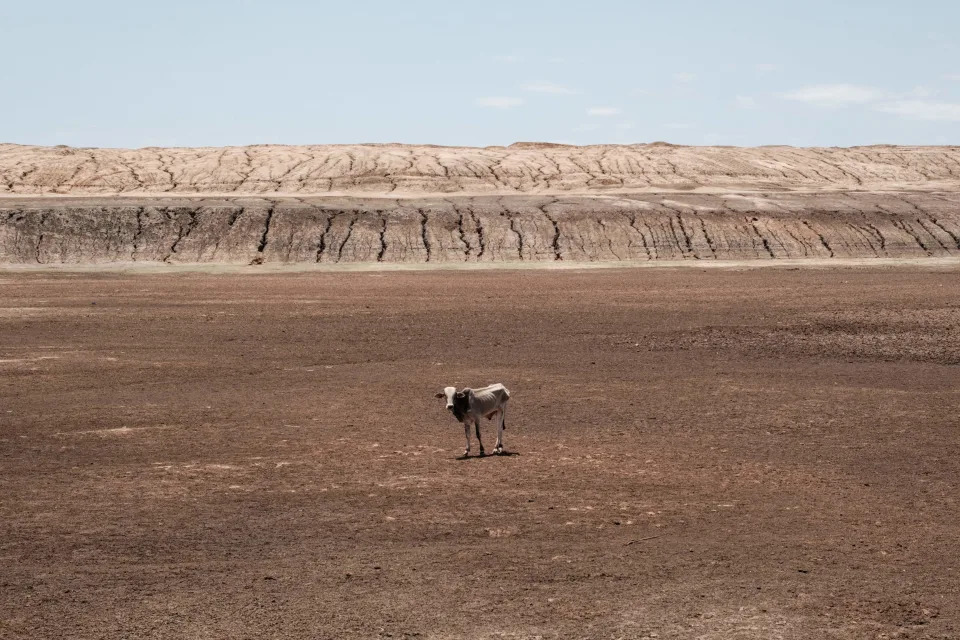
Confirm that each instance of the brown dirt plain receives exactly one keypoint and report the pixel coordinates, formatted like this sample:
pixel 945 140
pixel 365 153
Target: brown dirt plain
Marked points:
pixel 709 454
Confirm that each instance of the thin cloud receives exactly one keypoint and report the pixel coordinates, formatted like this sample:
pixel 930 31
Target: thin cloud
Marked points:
pixel 678 125
pixel 548 87
pixel 942 42
pixel 499 102
pixel 603 112
pixel 587 127
pixel 766 67
pixel 624 126
pixel 921 92
pixel 923 110
pixel 746 102
pixel 684 78
pixel 509 59
pixel 834 95
pixel 955 77
pixel 676 90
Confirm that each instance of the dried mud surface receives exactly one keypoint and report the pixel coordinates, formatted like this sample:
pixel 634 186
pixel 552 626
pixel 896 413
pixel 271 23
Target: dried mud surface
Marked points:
pixel 488 229
pixel 698 454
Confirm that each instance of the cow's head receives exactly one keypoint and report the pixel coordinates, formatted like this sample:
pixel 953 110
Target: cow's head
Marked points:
pixel 448 393
pixel 458 402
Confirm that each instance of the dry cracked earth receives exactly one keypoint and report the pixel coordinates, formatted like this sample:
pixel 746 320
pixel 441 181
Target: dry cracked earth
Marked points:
pixel 393 169
pixel 640 227
pixel 527 202
pixel 697 454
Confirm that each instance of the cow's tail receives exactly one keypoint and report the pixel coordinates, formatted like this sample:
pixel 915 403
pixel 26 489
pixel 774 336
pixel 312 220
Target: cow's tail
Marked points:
pixel 507 393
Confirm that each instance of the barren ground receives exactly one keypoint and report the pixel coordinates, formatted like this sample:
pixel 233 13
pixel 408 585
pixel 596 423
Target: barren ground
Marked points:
pixel 698 454
pixel 417 170
pixel 529 202
pixel 483 230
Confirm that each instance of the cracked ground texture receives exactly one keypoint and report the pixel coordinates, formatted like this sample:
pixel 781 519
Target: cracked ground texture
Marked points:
pixel 700 454
pixel 527 202
pixel 480 229
pixel 419 170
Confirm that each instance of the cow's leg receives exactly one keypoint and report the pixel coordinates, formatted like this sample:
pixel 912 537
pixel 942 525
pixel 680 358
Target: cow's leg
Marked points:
pixel 466 432
pixel 499 448
pixel 477 425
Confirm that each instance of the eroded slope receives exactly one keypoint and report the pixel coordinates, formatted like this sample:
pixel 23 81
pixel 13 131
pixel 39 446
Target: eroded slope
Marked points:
pixel 480 229
pixel 419 170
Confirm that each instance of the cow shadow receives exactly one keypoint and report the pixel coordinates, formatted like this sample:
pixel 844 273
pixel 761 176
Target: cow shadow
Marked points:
pixel 505 454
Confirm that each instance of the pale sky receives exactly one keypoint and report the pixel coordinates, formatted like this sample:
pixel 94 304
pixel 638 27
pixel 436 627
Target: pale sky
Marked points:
pixel 114 73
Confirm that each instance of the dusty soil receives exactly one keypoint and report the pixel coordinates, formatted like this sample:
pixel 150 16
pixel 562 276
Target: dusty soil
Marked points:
pixel 395 169
pixel 696 454
pixel 638 227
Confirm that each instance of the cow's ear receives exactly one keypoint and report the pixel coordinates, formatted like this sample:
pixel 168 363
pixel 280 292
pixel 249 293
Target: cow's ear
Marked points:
pixel 440 394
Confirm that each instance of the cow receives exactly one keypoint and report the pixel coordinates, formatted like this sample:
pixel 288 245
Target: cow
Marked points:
pixel 469 405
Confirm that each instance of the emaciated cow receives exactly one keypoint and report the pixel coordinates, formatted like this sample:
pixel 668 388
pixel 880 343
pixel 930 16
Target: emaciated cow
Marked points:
pixel 469 405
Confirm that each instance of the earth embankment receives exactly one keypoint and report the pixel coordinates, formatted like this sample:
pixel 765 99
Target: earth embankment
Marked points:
pixel 529 202
pixel 486 229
